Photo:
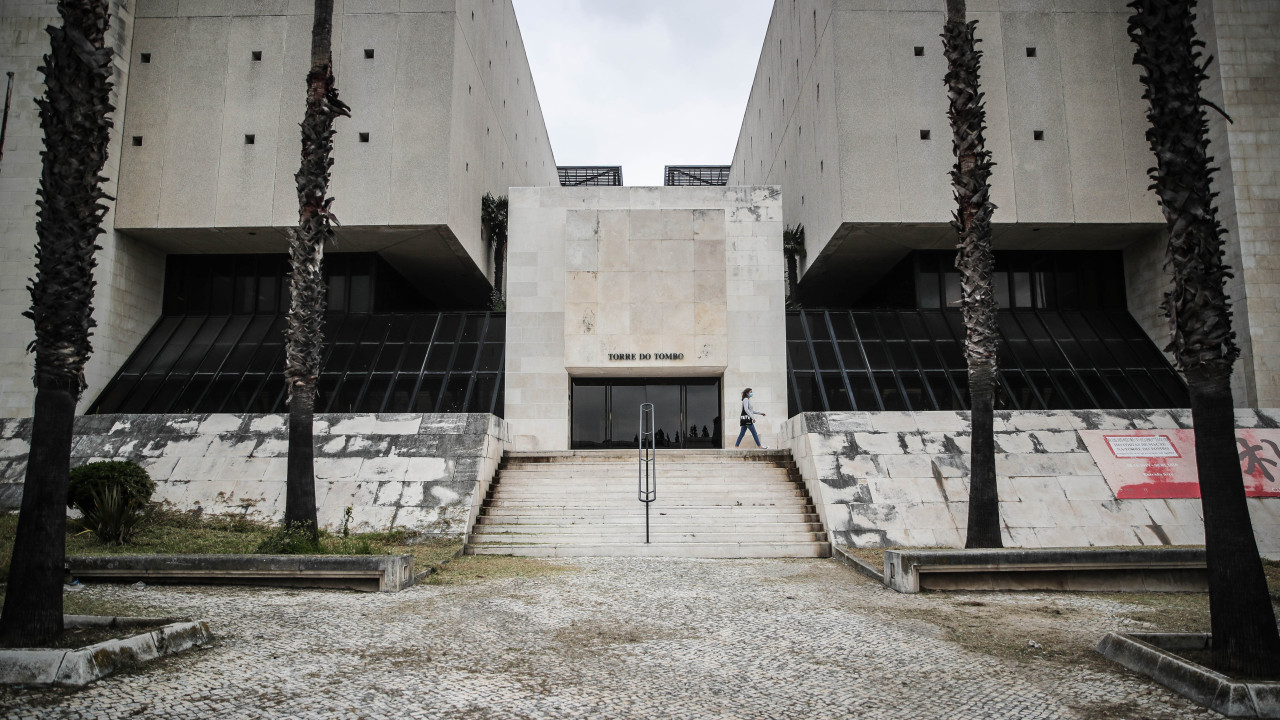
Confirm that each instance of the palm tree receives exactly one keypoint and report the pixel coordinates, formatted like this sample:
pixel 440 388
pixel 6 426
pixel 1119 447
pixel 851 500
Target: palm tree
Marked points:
pixel 792 251
pixel 1241 617
pixel 306 283
pixel 493 218
pixel 971 178
pixel 73 115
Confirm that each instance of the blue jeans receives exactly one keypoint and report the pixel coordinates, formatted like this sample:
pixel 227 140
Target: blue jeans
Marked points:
pixel 743 432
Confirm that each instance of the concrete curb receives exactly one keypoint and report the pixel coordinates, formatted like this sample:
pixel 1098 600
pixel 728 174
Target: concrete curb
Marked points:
pixel 78 667
pixel 1150 654
pixel 1163 569
pixel 369 573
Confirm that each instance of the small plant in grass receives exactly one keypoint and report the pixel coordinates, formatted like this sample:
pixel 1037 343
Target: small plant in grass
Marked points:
pixel 346 522
pixel 109 515
pixel 292 539
pixel 131 479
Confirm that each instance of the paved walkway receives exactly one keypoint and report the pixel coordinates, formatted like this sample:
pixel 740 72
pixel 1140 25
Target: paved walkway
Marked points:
pixel 619 638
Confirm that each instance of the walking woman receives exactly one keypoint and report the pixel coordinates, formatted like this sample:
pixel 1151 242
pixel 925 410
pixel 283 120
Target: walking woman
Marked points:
pixel 748 420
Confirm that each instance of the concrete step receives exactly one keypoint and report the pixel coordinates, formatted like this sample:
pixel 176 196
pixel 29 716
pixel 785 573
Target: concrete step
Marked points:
pixel 663 468
pixel 676 549
pixel 567 539
pixel 632 459
pixel 711 503
pixel 567 515
pixel 662 504
pixel 754 466
pixel 665 525
pixel 590 495
pixel 772 475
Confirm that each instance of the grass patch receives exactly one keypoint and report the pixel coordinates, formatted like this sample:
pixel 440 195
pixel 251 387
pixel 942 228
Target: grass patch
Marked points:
pixel 82 603
pixel 467 569
pixel 164 531
pixel 871 556
pixel 82 637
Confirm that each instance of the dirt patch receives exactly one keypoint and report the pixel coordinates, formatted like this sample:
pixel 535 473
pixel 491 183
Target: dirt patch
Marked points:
pixel 871 556
pixel 468 569
pixel 594 633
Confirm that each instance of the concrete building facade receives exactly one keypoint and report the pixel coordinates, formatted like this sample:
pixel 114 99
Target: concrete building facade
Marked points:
pixel 616 282
pixel 616 296
pixel 208 97
pixel 848 114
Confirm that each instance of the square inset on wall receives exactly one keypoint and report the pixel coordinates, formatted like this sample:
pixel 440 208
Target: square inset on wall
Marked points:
pixel 146 58
pixel 368 53
pixel 364 137
pixel 248 139
pixel 1031 52
pixel 256 55
pixel 925 134
pixel 137 141
pixel 1037 134
pixel 919 50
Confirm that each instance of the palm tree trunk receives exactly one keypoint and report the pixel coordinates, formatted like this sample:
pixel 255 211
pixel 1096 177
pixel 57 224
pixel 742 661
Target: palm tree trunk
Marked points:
pixel 33 604
pixel 1242 619
pixel 74 116
pixel 304 335
pixel 971 178
pixel 793 273
pixel 500 264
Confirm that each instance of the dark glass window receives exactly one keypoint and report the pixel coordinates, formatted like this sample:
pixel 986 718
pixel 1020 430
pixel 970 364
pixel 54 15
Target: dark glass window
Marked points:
pixel 1048 360
pixel 373 363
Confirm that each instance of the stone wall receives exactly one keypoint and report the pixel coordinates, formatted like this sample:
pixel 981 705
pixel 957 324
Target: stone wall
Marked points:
pixel 1245 81
pixel 689 271
pixel 421 472
pixel 850 119
pixel 129 273
pixel 900 478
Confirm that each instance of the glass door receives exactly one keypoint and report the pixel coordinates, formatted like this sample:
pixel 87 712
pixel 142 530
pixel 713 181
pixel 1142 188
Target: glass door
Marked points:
pixel 605 413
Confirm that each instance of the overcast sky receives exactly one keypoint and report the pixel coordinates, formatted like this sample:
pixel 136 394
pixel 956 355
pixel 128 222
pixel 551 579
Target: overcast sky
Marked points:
pixel 643 83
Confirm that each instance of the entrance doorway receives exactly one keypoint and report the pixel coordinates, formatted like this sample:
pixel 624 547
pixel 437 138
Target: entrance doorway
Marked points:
pixel 606 412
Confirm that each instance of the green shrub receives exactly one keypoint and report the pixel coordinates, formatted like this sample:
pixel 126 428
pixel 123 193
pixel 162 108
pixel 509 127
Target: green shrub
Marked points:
pixel 109 516
pixel 134 484
pixel 289 541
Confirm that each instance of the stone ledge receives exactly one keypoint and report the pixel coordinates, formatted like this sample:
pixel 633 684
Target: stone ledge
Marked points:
pixel 1078 569
pixel 80 666
pixel 367 573
pixel 1149 654
pixel 856 563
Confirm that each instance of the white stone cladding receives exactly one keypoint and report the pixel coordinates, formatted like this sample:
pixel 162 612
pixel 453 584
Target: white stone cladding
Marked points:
pixel 447 100
pixel 443 109
pixel 840 100
pixel 901 478
pixel 1245 81
pixel 420 472
pixel 129 273
pixel 601 270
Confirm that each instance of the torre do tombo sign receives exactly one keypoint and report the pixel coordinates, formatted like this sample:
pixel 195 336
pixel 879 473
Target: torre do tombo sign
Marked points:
pixel 646 356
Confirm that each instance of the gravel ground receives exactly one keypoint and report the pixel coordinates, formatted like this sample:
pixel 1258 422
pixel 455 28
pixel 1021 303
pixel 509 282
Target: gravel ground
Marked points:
pixel 617 638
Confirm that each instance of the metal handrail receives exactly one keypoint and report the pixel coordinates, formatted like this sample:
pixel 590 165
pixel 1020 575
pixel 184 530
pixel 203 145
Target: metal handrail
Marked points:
pixel 647 465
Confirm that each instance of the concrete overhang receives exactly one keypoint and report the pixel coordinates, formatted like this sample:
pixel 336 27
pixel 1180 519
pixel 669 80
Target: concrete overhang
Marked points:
pixel 428 256
pixel 859 254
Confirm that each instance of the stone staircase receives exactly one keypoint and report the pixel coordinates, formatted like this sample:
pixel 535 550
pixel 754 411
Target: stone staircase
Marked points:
pixel 711 503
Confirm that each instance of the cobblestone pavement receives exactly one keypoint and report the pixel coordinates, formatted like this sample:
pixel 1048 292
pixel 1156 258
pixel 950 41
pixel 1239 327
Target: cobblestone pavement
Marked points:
pixel 618 638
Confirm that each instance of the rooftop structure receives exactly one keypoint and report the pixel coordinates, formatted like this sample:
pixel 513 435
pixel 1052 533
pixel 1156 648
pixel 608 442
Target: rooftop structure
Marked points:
pixel 696 175
pixel 577 175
